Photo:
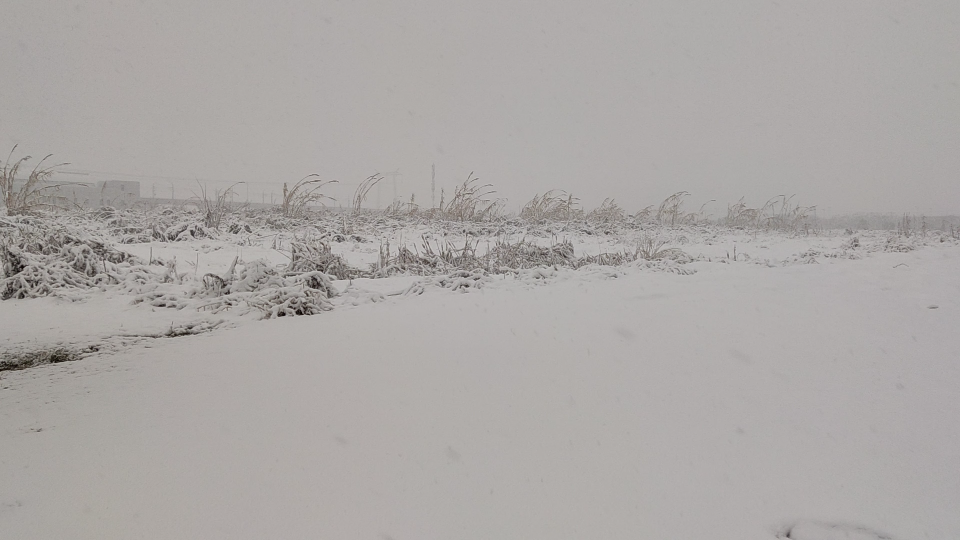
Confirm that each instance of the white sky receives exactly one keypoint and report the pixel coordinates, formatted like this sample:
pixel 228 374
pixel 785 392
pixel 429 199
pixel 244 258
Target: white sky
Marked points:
pixel 852 105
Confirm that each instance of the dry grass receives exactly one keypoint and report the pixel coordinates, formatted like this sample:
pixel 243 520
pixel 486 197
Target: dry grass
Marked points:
pixel 607 213
pixel 739 215
pixel 48 261
pixel 505 257
pixel 607 259
pixel 303 194
pixel 520 255
pixel 644 215
pixel 214 209
pixel 778 213
pixel 653 248
pixel 470 202
pixel 360 195
pixel 36 263
pixel 261 286
pixel 314 255
pixel 399 209
pixel 670 211
pixel 35 194
pixel 428 258
pixel 904 226
pixel 441 257
pixel 554 205
pixel 17 360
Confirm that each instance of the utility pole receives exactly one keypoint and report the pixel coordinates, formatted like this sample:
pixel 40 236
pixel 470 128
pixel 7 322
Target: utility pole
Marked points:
pixel 433 185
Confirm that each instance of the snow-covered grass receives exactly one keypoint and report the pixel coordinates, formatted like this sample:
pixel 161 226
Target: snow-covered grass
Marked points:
pixel 754 384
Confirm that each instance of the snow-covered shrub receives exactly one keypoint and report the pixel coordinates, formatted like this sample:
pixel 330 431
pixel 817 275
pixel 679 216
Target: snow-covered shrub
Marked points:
pixel 554 205
pixel 460 280
pixel 609 212
pixel 188 231
pixel 607 259
pixel 297 199
pixel 522 254
pixel 312 255
pixel 470 202
pixel 652 248
pixel 259 285
pixel 40 257
pixel 434 258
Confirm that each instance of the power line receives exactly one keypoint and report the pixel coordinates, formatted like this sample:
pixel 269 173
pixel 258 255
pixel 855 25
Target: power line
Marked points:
pixel 86 172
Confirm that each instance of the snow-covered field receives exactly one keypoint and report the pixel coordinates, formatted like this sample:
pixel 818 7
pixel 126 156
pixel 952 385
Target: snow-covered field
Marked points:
pixel 763 385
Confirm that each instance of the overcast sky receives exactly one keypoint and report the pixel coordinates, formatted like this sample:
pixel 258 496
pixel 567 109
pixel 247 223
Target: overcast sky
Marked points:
pixel 852 105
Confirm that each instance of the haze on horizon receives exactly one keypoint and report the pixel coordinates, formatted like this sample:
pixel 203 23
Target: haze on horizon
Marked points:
pixel 851 105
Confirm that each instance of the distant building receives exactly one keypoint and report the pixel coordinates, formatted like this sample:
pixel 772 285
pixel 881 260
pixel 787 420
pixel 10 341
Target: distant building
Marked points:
pixel 116 193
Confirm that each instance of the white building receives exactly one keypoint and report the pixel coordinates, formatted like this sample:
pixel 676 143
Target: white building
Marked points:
pixel 115 193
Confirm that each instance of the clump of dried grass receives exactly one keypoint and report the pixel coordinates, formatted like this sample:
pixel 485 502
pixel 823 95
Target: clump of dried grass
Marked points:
pixel 360 194
pixel 185 231
pixel 41 258
pixel 519 255
pixel 778 213
pixel 214 209
pixel 470 202
pixel 608 213
pixel 303 194
pixel 260 286
pixel 509 257
pixel 651 248
pixel 740 215
pixel 400 209
pixel 35 193
pixel 607 259
pixel 644 215
pixel 17 360
pixel 670 211
pixel 554 205
pixel 315 255
pixel 427 258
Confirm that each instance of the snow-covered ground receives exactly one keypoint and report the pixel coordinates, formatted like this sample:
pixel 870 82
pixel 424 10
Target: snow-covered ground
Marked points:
pixel 755 397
